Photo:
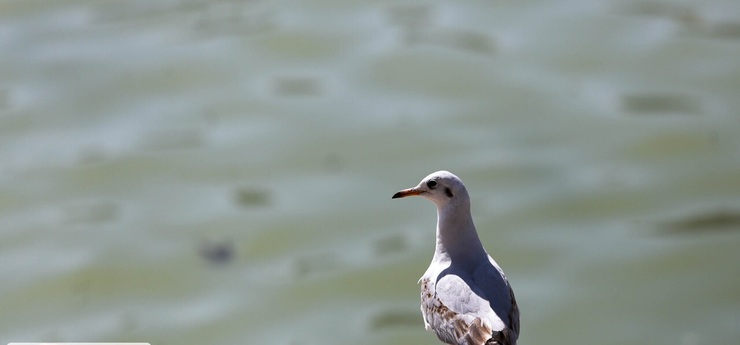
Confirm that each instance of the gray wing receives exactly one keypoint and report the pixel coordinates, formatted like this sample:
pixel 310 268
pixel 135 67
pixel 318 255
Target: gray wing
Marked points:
pixel 475 309
pixel 459 315
pixel 495 288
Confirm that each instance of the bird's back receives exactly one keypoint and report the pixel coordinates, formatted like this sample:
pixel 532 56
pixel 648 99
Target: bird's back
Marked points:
pixel 469 308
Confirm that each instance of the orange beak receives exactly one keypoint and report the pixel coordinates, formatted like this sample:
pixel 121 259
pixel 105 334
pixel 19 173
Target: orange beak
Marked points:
pixel 407 192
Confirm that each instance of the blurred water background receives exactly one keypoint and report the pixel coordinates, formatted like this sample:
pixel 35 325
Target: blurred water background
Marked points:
pixel 197 172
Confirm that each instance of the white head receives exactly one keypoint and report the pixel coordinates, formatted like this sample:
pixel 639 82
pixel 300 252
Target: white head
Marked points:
pixel 441 187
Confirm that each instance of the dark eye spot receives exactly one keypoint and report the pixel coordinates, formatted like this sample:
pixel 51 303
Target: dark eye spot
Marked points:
pixel 432 184
pixel 448 192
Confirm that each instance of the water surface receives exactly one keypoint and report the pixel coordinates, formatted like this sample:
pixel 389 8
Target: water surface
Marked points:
pixel 188 172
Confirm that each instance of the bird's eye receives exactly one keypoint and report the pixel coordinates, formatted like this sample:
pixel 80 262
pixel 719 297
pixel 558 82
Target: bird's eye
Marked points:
pixel 432 184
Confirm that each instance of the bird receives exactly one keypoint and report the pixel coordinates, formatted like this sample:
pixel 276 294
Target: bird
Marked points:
pixel 466 298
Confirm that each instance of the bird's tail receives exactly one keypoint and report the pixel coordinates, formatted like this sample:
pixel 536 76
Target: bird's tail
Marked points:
pixel 505 337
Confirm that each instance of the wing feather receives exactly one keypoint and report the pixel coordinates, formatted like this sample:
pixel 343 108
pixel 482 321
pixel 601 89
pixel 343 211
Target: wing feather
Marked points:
pixel 476 309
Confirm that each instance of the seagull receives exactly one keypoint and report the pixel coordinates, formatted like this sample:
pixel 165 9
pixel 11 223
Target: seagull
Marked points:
pixel 465 296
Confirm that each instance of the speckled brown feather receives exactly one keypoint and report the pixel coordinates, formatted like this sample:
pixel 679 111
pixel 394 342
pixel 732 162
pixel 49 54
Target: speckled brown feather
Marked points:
pixel 462 332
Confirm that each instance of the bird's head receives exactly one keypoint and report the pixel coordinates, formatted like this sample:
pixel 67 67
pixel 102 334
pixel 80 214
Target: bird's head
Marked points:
pixel 441 187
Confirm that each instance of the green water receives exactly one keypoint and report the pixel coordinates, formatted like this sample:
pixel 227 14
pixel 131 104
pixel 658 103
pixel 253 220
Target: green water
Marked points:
pixel 188 172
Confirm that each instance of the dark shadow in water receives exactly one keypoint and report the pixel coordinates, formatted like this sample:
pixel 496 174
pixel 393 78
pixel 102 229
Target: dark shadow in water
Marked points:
pixel 660 103
pixel 248 197
pixel 717 221
pixel 394 319
pixel 218 253
pixel 297 86
pixel 389 245
pixel 667 9
pixel 727 30
pixel 459 40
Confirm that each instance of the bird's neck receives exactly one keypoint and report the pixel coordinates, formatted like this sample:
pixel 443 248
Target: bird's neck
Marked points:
pixel 457 239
